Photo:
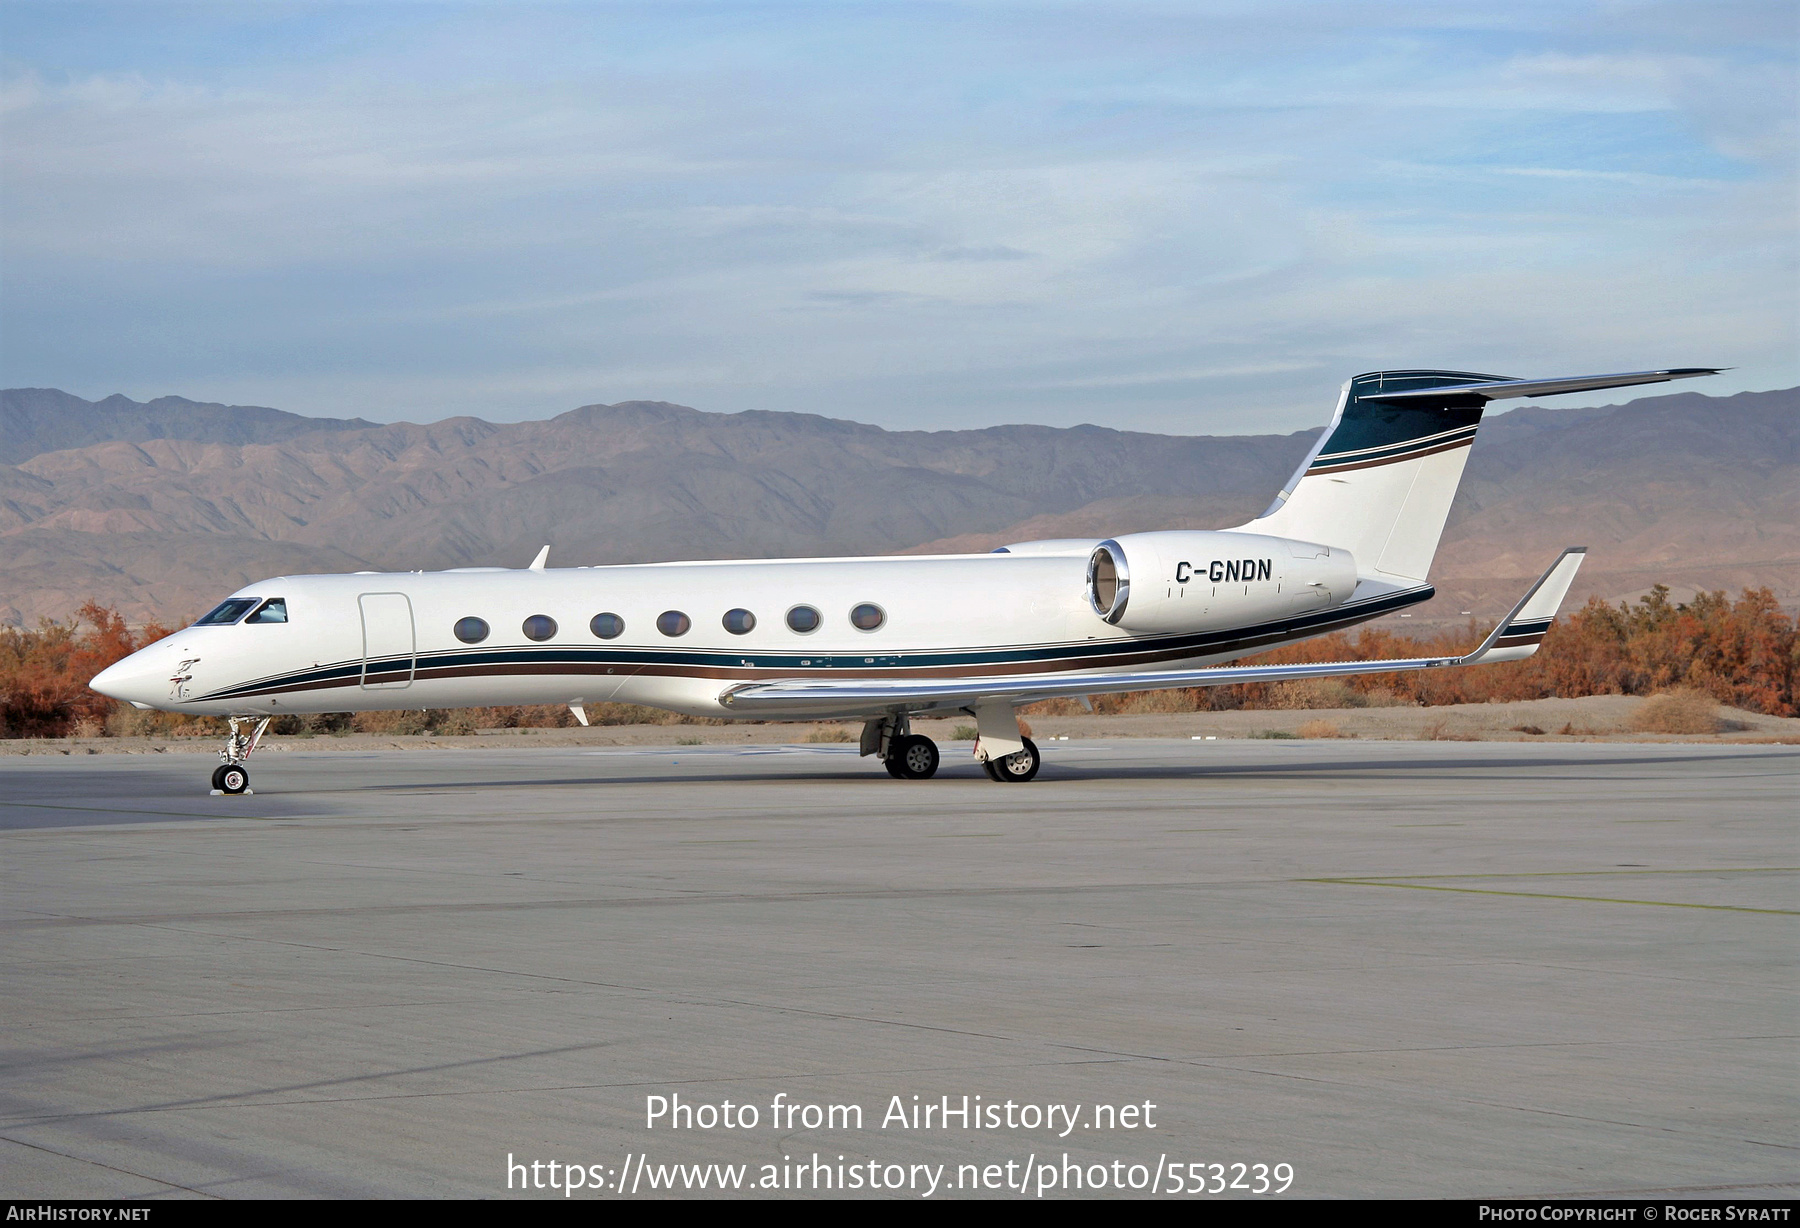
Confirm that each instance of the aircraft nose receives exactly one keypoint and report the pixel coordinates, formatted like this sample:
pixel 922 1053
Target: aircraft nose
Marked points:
pixel 134 679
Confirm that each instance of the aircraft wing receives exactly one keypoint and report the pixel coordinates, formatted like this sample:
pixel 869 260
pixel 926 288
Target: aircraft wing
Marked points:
pixel 1515 637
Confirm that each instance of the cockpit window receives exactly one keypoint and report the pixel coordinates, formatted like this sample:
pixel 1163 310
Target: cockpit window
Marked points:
pixel 228 612
pixel 274 610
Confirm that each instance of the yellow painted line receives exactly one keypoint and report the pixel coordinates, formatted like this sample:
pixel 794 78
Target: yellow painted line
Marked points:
pixel 1390 878
pixel 1543 895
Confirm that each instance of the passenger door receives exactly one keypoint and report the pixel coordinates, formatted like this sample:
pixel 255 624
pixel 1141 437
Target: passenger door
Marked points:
pixel 389 647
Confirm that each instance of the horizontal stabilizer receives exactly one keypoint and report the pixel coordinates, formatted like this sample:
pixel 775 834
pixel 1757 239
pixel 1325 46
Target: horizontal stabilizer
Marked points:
pixel 1497 390
pixel 1515 637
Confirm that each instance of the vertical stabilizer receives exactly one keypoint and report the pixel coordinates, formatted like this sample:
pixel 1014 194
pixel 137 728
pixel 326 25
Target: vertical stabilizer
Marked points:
pixel 1380 480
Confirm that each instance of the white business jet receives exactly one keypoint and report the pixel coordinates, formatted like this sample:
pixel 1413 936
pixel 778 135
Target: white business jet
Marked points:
pixel 884 639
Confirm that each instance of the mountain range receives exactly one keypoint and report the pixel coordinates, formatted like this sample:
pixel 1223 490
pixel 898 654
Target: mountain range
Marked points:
pixel 160 508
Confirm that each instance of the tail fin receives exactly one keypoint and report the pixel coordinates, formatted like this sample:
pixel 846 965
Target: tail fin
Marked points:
pixel 1381 478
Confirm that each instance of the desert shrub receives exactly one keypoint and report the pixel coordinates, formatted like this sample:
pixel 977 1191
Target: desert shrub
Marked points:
pixel 1683 710
pixel 404 722
pixel 458 724
pixel 1531 729
pixel 964 733
pixel 1440 731
pixel 1743 652
pixel 837 733
pixel 1276 734
pixel 1318 729
pixel 1316 693
pixel 44 672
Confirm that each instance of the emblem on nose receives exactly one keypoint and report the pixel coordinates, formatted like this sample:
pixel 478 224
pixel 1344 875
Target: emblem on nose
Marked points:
pixel 178 688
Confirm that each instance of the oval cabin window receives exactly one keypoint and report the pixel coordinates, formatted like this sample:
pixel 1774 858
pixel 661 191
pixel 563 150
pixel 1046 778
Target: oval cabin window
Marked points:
pixel 471 630
pixel 740 622
pixel 803 619
pixel 607 626
pixel 868 617
pixel 539 627
pixel 673 623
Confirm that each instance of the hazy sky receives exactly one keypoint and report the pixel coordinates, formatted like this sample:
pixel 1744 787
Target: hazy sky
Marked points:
pixel 1195 217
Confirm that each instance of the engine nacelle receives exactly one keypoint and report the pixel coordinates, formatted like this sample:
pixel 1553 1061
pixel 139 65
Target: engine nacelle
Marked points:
pixel 1182 581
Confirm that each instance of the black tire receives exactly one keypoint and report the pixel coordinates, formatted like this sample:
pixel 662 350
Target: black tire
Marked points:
pixel 218 772
pixel 992 769
pixel 892 762
pixel 1020 766
pixel 233 778
pixel 916 757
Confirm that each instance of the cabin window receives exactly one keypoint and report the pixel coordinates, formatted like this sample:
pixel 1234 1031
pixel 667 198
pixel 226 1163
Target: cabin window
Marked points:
pixel 804 619
pixel 740 622
pixel 227 612
pixel 607 626
pixel 868 617
pixel 471 630
pixel 274 610
pixel 673 623
pixel 539 627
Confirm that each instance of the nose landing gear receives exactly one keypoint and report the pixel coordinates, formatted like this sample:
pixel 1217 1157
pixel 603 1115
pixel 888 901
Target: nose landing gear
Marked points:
pixel 231 777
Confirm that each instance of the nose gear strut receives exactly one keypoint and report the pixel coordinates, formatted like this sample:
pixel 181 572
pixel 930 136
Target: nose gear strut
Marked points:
pixel 231 776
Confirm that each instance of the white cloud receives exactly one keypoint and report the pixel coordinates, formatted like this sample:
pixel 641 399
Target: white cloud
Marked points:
pixel 1185 219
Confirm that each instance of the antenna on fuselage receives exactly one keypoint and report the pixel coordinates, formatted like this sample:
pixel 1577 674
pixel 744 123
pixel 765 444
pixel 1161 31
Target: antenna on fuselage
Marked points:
pixel 537 564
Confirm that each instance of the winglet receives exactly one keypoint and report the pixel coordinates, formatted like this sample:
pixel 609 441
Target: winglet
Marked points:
pixel 537 564
pixel 1518 634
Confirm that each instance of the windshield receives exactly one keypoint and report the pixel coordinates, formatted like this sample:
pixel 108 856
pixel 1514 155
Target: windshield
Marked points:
pixel 227 612
pixel 274 610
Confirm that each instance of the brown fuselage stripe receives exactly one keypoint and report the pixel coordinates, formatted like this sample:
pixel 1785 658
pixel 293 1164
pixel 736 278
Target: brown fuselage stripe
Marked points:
pixel 752 674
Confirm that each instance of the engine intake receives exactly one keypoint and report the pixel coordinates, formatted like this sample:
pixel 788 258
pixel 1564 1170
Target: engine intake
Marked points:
pixel 1109 581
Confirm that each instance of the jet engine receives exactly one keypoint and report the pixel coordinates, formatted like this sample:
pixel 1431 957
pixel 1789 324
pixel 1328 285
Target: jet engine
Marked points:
pixel 1197 581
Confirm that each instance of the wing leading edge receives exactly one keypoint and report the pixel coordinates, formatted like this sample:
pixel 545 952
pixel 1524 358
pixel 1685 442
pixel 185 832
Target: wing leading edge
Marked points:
pixel 1515 637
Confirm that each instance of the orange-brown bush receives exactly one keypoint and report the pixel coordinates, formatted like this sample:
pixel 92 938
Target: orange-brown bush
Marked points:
pixel 1318 729
pixel 1683 710
pixel 44 672
pixel 1744 653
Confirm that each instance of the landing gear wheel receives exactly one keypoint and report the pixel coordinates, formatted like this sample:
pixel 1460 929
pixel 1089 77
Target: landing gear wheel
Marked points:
pixel 992 769
pixel 231 778
pixel 913 758
pixel 1020 766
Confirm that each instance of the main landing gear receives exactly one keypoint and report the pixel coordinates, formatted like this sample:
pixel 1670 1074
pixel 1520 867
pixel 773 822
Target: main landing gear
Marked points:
pixel 232 777
pixel 912 757
pixel 905 755
pixel 1020 766
pixel 1002 750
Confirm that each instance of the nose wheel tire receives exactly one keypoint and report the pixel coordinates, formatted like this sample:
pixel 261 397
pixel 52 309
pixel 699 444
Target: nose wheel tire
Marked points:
pixel 912 758
pixel 230 778
pixel 1019 767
